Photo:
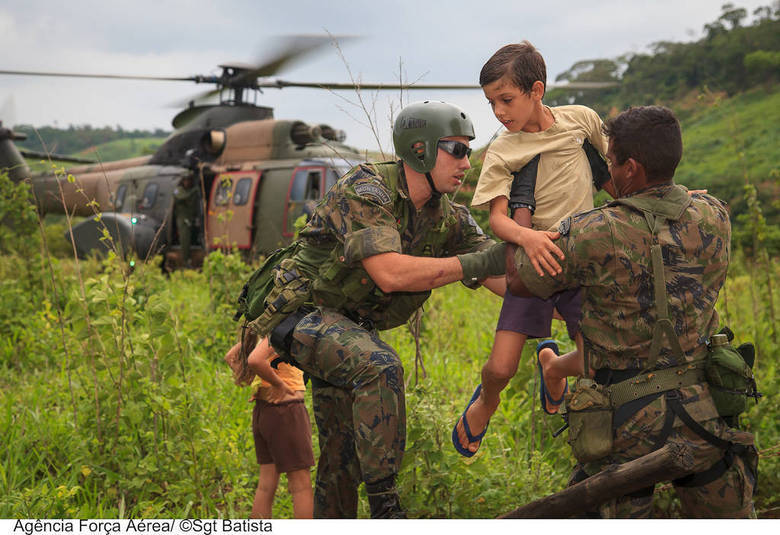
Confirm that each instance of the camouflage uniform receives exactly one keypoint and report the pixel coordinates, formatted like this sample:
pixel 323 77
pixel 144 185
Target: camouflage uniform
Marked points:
pixel 357 379
pixel 186 208
pixel 608 254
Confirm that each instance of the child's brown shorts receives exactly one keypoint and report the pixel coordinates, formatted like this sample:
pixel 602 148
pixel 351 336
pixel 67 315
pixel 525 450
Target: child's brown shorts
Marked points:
pixel 283 435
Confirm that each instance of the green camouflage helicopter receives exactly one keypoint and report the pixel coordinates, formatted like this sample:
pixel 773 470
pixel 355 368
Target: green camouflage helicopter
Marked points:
pixel 255 175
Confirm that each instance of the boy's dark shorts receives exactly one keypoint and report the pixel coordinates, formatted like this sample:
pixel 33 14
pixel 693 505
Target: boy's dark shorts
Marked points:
pixel 283 435
pixel 532 316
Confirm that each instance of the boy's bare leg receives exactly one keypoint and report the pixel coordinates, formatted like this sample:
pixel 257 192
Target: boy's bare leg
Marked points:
pixel 496 373
pixel 266 488
pixel 299 486
pixel 555 369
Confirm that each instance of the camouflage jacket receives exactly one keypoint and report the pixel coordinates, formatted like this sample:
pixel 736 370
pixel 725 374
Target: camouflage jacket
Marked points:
pixel 368 212
pixel 608 254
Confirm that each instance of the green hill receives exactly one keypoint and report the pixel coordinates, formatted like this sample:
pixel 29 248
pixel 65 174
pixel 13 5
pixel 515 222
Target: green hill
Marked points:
pixel 119 149
pixel 728 141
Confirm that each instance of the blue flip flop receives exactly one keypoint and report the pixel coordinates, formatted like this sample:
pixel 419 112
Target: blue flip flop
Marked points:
pixel 471 438
pixel 544 395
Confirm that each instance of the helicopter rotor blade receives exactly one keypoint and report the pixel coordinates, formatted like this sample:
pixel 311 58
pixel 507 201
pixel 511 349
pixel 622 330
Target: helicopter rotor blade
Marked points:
pixel 198 79
pixel 281 84
pixel 289 49
pixel 194 99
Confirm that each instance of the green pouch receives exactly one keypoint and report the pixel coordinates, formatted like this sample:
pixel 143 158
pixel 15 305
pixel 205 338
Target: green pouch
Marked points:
pixel 730 379
pixel 590 413
pixel 357 285
pixel 290 291
pixel 251 302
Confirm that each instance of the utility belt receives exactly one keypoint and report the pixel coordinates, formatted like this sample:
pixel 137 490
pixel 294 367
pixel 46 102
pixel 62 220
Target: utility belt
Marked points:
pixel 598 406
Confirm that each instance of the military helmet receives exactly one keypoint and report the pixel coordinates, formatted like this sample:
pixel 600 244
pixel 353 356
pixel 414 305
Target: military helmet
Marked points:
pixel 419 127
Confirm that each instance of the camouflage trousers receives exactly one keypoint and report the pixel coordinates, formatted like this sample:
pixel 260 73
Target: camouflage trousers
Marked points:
pixel 711 495
pixel 359 407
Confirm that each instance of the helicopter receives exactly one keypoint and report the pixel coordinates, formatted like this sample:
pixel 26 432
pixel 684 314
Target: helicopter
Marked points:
pixel 255 175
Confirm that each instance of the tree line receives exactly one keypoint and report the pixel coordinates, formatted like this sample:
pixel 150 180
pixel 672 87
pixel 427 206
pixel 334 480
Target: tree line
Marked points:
pixel 732 57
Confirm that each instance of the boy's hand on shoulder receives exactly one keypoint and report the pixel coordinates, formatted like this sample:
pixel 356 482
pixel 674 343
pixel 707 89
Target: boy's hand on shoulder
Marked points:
pixel 541 250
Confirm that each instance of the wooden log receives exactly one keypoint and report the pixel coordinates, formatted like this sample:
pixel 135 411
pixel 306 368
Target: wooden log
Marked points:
pixel 669 462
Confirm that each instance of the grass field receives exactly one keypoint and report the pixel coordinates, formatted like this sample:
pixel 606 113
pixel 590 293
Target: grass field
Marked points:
pixel 115 401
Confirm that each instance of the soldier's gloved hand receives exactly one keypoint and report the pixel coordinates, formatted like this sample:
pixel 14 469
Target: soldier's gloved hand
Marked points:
pixel 483 264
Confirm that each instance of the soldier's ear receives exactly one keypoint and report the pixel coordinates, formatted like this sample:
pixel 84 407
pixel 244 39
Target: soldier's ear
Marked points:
pixel 632 167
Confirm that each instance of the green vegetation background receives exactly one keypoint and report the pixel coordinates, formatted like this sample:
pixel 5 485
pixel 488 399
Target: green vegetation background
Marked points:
pixel 115 401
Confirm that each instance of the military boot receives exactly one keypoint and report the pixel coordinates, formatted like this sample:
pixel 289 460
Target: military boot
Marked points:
pixel 383 499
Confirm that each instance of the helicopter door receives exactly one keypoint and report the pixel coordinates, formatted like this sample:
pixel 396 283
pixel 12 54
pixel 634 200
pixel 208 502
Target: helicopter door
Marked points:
pixel 231 210
pixel 306 188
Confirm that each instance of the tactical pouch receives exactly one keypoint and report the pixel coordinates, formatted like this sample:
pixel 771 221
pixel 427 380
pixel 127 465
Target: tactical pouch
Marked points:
pixel 589 412
pixel 251 302
pixel 291 290
pixel 730 378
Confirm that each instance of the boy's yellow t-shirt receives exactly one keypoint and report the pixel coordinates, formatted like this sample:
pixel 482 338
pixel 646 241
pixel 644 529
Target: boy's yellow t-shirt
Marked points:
pixel 564 182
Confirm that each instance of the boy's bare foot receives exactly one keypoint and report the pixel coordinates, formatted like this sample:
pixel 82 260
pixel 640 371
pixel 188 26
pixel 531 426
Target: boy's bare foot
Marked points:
pixel 553 383
pixel 478 415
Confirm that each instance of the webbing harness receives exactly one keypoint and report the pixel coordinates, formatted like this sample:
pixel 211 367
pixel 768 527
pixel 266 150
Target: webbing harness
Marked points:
pixel 668 380
pixel 652 381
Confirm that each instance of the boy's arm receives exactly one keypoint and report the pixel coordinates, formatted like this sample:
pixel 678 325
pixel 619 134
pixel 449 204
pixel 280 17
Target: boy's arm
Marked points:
pixel 538 245
pixel 259 363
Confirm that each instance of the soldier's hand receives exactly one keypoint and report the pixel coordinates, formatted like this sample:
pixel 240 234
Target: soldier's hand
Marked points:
pixel 541 250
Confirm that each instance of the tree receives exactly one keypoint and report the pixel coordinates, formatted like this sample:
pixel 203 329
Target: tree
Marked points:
pixel 733 15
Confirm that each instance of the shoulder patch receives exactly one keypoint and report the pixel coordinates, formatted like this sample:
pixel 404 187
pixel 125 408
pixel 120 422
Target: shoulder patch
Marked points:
pixel 372 191
pixel 565 227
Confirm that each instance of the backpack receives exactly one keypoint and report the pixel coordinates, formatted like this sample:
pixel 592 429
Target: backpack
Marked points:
pixel 251 301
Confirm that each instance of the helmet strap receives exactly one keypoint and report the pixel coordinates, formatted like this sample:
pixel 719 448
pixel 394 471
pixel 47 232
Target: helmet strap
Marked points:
pixel 435 194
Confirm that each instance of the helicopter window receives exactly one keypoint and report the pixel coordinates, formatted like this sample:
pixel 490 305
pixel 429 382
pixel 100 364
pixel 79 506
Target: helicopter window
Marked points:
pixel 306 185
pixel 241 195
pixel 150 195
pixel 224 189
pixel 119 199
pixel 331 178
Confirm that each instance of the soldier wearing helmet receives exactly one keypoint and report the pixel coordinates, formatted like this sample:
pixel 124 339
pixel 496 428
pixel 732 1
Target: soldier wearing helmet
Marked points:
pixel 378 242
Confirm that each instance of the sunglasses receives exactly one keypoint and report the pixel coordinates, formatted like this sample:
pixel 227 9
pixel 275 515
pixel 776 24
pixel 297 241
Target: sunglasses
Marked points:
pixel 456 148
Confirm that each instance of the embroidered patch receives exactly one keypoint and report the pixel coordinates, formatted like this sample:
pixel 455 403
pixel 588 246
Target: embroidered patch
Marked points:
pixel 565 226
pixel 373 192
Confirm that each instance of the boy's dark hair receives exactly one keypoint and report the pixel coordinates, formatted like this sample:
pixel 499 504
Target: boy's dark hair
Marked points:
pixel 651 136
pixel 521 62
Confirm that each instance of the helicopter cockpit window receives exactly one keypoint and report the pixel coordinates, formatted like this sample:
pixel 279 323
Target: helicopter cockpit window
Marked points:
pixel 150 195
pixel 224 189
pixel 331 178
pixel 241 195
pixel 306 185
pixel 119 198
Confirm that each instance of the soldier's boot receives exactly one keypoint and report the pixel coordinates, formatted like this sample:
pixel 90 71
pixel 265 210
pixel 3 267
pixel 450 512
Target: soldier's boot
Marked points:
pixel 383 499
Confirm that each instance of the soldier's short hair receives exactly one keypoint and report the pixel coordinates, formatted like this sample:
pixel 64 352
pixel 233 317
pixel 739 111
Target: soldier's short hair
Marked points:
pixel 651 136
pixel 521 62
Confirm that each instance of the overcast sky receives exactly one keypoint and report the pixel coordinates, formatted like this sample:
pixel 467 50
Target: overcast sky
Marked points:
pixel 433 41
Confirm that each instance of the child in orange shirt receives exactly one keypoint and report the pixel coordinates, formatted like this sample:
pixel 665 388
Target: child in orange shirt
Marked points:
pixel 280 426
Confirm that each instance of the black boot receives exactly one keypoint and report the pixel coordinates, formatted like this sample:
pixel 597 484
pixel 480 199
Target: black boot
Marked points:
pixel 383 499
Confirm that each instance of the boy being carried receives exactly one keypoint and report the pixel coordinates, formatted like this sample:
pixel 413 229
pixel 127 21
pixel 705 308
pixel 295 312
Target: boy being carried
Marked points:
pixel 538 170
